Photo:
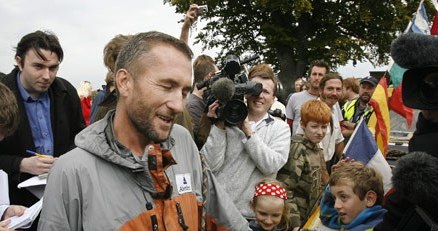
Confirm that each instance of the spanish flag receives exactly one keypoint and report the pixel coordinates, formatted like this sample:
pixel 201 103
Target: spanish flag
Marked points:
pixel 379 122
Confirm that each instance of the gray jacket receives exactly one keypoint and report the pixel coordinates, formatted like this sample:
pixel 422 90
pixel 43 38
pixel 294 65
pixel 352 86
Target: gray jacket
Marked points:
pixel 101 185
pixel 239 164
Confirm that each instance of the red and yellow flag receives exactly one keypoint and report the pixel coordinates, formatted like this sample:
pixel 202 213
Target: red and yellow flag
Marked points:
pixel 396 104
pixel 379 122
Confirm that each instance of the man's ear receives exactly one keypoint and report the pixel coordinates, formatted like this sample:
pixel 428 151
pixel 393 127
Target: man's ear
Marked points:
pixel 18 60
pixel 371 198
pixel 123 81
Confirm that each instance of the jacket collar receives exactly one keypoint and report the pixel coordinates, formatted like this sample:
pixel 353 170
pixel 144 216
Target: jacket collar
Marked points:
pixel 265 121
pixel 57 88
pixel 124 152
pixel 155 160
pixel 302 139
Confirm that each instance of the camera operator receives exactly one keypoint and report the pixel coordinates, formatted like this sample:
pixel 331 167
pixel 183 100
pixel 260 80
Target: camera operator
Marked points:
pixel 258 147
pixel 203 69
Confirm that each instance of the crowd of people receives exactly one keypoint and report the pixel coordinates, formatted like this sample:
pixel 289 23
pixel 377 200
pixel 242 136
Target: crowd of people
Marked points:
pixel 149 152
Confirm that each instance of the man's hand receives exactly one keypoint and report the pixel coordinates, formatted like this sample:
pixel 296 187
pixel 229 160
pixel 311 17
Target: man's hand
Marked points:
pixel 212 114
pixel 36 165
pixel 189 19
pixel 13 210
pixel 246 128
pixel 191 15
pixel 349 125
pixel 342 162
pixel 4 225
pixel 212 110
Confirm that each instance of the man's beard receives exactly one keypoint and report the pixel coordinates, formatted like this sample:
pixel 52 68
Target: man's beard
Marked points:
pixel 328 100
pixel 366 100
pixel 145 127
pixel 315 85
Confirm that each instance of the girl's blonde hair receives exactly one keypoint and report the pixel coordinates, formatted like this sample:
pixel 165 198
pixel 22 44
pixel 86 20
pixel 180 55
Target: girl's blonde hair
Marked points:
pixel 284 224
pixel 85 89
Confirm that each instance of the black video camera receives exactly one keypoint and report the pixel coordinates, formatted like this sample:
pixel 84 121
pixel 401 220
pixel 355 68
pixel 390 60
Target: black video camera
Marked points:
pixel 229 87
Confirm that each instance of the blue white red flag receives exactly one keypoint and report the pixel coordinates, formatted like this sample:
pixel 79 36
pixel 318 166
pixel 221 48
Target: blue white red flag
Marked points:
pixel 362 147
pixel 420 22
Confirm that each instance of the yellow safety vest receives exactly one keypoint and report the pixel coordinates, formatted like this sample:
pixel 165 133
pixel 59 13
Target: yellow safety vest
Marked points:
pixel 349 109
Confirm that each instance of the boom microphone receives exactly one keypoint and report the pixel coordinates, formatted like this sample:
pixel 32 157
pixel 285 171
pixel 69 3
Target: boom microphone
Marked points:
pixel 250 88
pixel 249 59
pixel 416 178
pixel 223 89
pixel 412 50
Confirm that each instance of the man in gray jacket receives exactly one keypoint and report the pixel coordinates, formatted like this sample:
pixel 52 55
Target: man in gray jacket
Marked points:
pixel 135 169
pixel 240 156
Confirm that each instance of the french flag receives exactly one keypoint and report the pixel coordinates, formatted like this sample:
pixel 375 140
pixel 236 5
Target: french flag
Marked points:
pixel 362 147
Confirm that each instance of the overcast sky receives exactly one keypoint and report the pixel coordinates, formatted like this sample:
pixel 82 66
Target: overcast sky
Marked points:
pixel 84 27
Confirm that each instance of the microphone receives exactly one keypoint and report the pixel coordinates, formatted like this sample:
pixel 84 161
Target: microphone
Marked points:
pixel 249 59
pixel 416 178
pixel 223 89
pixel 415 50
pixel 232 65
pixel 250 88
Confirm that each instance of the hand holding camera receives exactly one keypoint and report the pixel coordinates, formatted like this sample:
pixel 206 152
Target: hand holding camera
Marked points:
pixel 191 15
pixel 212 110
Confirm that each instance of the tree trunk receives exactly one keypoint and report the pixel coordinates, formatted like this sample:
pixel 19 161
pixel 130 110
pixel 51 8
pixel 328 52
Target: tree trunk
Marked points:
pixel 287 73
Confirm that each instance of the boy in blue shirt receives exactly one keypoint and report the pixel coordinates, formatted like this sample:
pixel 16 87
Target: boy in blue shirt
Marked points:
pixel 353 200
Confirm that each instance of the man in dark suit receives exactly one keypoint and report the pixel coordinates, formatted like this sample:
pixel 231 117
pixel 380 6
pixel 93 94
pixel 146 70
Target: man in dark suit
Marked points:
pixel 50 113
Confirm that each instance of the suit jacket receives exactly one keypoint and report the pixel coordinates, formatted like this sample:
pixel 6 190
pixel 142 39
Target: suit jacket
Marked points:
pixel 67 121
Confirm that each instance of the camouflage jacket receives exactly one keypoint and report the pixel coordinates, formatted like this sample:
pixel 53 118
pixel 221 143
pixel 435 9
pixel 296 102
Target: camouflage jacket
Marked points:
pixel 302 175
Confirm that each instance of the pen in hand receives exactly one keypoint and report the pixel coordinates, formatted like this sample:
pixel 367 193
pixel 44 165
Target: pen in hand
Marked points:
pixel 35 153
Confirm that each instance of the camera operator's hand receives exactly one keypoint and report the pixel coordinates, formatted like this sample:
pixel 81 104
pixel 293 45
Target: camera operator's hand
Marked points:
pixel 212 114
pixel 246 128
pixel 212 110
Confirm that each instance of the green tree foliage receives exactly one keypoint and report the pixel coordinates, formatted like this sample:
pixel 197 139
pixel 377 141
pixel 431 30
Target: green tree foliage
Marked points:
pixel 291 33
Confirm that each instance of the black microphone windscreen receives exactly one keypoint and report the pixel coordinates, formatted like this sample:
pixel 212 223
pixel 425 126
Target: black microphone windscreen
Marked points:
pixel 223 89
pixel 412 50
pixel 232 65
pixel 416 178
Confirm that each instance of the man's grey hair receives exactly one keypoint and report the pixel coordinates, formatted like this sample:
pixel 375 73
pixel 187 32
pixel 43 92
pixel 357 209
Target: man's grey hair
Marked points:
pixel 141 44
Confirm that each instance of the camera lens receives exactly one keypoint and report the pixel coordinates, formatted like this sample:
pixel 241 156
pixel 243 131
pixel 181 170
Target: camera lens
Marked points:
pixel 234 112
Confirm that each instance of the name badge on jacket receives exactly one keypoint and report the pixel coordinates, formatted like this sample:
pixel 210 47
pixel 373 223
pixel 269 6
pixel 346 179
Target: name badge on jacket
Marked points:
pixel 183 183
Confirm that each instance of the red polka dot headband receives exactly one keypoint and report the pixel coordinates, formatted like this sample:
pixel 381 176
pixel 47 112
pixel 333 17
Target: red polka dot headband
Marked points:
pixel 267 189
